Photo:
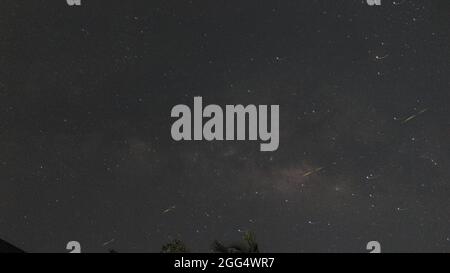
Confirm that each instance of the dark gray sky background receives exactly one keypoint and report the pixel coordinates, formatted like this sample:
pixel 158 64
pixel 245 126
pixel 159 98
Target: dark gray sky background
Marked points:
pixel 85 146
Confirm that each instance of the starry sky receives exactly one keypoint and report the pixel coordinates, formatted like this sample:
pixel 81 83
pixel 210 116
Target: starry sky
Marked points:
pixel 86 152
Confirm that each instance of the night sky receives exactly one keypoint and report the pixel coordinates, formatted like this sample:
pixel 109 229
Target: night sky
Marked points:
pixel 86 152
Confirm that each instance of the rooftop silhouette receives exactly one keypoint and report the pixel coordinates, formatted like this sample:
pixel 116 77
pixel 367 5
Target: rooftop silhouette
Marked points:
pixel 6 247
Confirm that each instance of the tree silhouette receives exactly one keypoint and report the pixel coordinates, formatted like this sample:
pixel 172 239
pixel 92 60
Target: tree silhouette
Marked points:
pixel 249 245
pixel 175 246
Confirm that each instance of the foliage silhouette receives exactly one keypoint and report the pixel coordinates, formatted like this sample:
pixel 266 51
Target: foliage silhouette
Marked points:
pixel 175 246
pixel 249 245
